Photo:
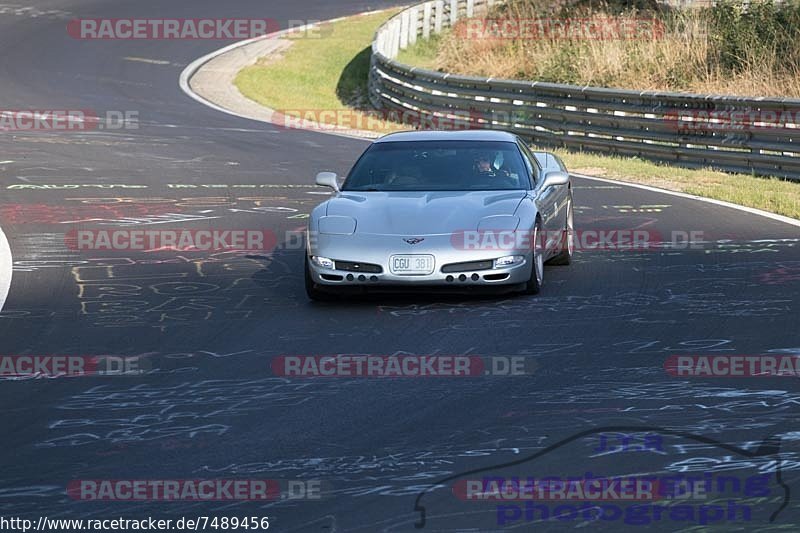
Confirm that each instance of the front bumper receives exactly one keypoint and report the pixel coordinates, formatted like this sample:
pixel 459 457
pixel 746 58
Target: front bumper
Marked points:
pixel 378 249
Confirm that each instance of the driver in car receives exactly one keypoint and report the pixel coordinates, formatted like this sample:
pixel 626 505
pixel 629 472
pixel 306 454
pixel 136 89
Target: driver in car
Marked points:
pixel 484 167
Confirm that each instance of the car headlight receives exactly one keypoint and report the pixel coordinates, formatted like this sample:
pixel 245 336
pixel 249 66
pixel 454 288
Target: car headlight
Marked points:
pixel 508 260
pixel 323 262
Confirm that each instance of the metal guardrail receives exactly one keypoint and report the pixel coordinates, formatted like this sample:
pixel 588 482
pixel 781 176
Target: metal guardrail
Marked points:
pixel 676 128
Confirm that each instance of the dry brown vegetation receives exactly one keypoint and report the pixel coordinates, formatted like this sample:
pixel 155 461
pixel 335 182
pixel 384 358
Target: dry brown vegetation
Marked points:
pixel 727 49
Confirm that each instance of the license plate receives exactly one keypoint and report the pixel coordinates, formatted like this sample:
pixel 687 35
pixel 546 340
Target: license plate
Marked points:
pixel 411 265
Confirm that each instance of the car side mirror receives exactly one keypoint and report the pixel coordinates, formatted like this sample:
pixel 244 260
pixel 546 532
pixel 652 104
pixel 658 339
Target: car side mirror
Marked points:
pixel 556 178
pixel 328 179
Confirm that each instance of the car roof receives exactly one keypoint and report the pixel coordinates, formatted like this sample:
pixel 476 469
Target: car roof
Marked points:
pixel 449 135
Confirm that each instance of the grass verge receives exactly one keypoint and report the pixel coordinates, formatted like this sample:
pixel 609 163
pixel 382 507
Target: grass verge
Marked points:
pixel 315 75
pixel 331 73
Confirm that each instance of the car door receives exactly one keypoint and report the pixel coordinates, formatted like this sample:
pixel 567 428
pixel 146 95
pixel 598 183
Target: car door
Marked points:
pixel 546 201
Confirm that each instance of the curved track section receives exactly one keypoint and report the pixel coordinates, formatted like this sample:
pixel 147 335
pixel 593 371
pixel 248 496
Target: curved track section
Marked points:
pixel 208 325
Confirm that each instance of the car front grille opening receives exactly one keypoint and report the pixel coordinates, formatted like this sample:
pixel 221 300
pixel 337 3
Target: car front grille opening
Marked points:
pixel 467 267
pixel 331 277
pixel 495 277
pixel 350 266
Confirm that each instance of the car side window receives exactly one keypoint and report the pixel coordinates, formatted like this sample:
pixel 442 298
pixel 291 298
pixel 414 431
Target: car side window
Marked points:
pixel 530 162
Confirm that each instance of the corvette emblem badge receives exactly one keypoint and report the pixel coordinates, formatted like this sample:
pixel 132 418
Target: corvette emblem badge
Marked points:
pixel 414 240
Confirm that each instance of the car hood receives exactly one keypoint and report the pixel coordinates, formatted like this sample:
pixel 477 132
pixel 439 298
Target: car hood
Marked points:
pixel 422 213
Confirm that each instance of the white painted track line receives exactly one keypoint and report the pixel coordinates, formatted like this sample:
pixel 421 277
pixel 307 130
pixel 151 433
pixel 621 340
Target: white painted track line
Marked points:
pixel 5 268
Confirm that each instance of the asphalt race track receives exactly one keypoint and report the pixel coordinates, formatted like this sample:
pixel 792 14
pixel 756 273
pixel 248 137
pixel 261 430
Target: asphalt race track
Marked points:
pixel 208 325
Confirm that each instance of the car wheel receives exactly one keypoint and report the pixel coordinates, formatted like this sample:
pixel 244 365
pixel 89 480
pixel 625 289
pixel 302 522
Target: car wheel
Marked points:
pixel 567 241
pixel 312 291
pixel 534 284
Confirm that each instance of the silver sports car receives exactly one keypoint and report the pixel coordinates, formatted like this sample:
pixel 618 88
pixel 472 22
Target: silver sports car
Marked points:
pixel 459 209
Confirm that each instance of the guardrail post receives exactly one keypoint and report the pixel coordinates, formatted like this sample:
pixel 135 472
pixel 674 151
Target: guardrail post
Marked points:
pixel 404 30
pixel 437 25
pixel 426 20
pixel 453 12
pixel 413 19
pixel 395 48
pixel 380 42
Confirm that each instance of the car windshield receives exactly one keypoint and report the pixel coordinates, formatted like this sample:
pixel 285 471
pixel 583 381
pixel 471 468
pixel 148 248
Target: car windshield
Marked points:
pixel 439 166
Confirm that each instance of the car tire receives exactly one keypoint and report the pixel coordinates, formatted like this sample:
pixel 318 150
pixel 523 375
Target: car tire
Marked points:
pixel 534 284
pixel 567 241
pixel 312 290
